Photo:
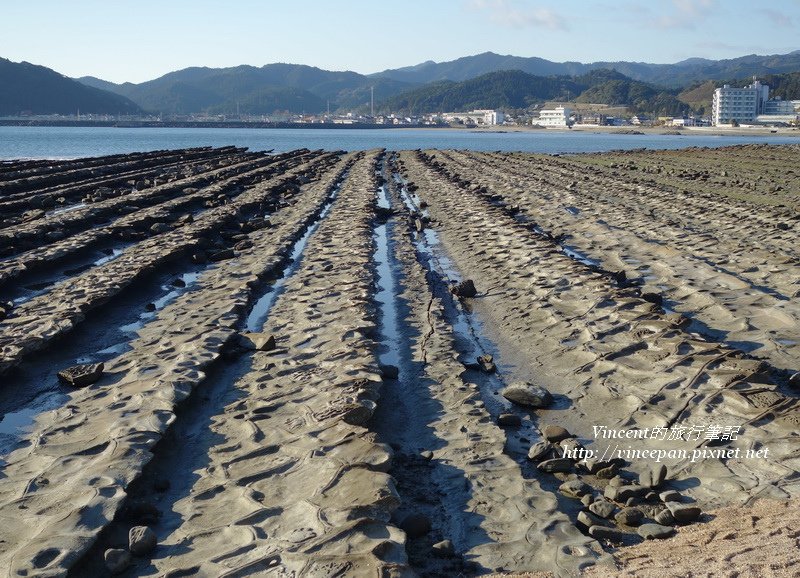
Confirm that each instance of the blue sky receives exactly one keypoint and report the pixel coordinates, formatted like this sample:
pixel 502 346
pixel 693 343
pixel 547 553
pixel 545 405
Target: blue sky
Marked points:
pixel 127 40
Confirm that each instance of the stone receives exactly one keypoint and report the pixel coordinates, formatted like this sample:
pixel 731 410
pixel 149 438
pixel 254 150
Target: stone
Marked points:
pixel 655 531
pixel 669 496
pixel 222 255
pixel 81 375
pixel 555 465
pixel 587 500
pixel 243 245
pixel 794 380
pixel 664 517
pixel 623 493
pixel 605 533
pixel 464 289
pixel 426 455
pixel 117 560
pixel 415 525
pixel 389 371
pixel 486 363
pixel 527 394
pixel 555 433
pixel 419 225
pixel 684 513
pixel 199 258
pixel 509 420
pixel 574 488
pixel 652 478
pixel 180 283
pixel 540 451
pixel 257 341
pixel 607 473
pixel 588 519
pixel 572 449
pixel 158 228
pixel 602 508
pixel 629 517
pixel 141 540
pixel 443 549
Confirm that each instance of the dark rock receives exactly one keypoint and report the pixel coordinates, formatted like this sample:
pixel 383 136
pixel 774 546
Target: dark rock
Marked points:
pixel 257 341
pixel 150 307
pixel 539 451
pixel 629 517
pixel 587 500
pixel 117 560
pixel 415 525
pixel 180 283
pixel 794 380
pixel 684 513
pixel 574 488
pixel 602 508
pixel 158 228
pixel 608 472
pixel 655 531
pixel 509 420
pixel 81 375
pixel 664 517
pixel 141 540
pixel 588 519
pixel 527 394
pixel 604 533
pixel 555 433
pixel 426 455
pixel 486 363
pixel 464 289
pixel 443 549
pixel 243 245
pixel 670 496
pixel 556 465
pixel 623 493
pixel 653 297
pixel 389 371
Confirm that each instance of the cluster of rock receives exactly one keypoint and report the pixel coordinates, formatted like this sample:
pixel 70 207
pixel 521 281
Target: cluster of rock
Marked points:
pixel 616 505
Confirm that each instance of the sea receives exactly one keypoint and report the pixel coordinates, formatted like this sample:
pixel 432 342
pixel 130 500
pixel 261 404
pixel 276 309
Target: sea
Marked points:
pixel 78 142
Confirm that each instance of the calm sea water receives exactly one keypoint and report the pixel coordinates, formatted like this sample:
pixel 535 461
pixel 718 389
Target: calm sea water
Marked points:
pixel 76 142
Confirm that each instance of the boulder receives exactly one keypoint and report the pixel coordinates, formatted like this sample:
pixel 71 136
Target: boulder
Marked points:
pixel 389 371
pixel 81 375
pixel 652 478
pixel 588 519
pixel 540 451
pixel 556 465
pixel 117 560
pixel 486 363
pixel 602 508
pixel 669 496
pixel 664 517
pixel 555 433
pixel 629 517
pixel 509 420
pixel 527 394
pixel 464 289
pixel 141 540
pixel 655 531
pixel 574 488
pixel 605 533
pixel 684 513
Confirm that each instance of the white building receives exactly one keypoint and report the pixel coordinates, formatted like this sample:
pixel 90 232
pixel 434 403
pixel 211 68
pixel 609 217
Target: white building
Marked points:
pixel 739 104
pixel 557 117
pixel 481 116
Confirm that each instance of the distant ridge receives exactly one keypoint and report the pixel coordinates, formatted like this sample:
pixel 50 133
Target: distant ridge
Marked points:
pixel 684 73
pixel 28 88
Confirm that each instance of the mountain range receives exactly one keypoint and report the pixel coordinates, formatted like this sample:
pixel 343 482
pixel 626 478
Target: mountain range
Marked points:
pixel 487 80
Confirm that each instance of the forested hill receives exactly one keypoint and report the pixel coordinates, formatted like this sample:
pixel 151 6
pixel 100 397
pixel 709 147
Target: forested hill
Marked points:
pixel 28 88
pixel 516 89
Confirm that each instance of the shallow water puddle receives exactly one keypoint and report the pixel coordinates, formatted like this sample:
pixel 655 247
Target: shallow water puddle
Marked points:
pixel 260 311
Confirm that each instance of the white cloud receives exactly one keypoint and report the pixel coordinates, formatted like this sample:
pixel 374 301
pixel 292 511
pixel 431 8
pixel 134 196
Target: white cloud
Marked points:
pixel 685 14
pixel 507 13
pixel 777 18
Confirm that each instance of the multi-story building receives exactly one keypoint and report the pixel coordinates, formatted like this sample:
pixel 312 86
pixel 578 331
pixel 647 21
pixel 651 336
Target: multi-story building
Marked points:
pixel 558 116
pixel 478 117
pixel 739 104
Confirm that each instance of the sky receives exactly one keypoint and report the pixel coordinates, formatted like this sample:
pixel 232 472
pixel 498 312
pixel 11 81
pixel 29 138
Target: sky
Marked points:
pixel 138 40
